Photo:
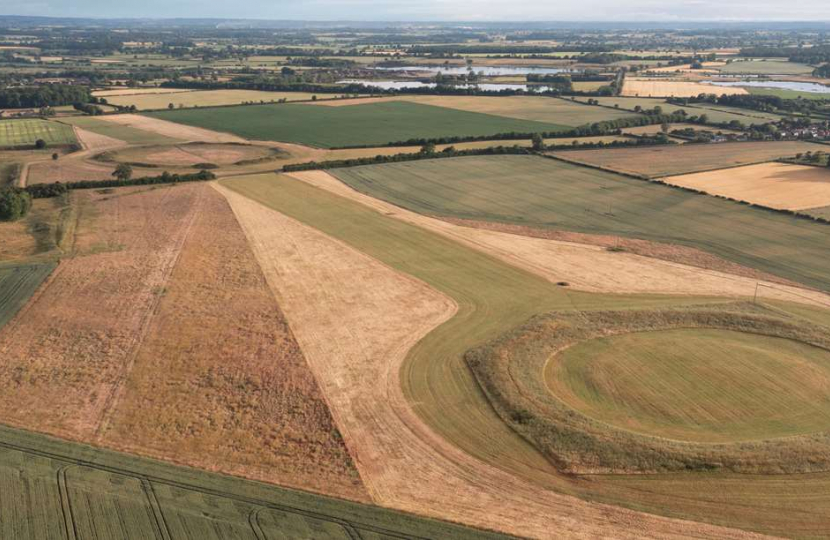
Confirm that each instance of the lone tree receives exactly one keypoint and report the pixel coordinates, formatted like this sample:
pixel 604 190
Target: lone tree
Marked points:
pixel 123 172
pixel 14 203
pixel 40 144
pixel 538 142
pixel 55 156
pixel 428 148
pixel 171 106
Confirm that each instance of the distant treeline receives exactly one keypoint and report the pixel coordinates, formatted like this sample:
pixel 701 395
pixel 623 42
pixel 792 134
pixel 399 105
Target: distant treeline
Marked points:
pixel 48 95
pixel 44 191
pixel 803 55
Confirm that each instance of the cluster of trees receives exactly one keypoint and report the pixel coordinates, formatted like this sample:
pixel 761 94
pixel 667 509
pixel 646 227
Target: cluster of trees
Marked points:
pixel 563 83
pixel 47 95
pixel 42 191
pixel 14 203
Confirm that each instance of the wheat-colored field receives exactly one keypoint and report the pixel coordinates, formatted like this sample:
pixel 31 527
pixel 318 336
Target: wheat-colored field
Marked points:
pixel 776 185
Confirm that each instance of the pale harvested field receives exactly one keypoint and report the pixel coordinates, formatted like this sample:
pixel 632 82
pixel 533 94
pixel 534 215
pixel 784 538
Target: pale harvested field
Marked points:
pixel 664 88
pixel 536 108
pixel 172 129
pixel 206 98
pixel 776 185
pixel 77 168
pixel 219 381
pixel 355 320
pixel 656 128
pixel 672 160
pixel 67 353
pixel 584 267
pixel 137 91
pixel 184 155
pixel 684 255
pixel 95 142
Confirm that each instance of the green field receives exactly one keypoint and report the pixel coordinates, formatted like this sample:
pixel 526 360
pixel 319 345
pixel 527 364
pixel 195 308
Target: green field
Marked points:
pixel 75 492
pixel 542 192
pixel 766 67
pixel 705 385
pixel 372 124
pixel 26 132
pixel 716 113
pixel 787 94
pixel 494 297
pixel 17 285
pixel 117 131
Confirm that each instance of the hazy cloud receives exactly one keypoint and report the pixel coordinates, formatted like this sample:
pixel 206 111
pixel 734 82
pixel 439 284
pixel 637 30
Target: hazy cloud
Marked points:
pixel 425 10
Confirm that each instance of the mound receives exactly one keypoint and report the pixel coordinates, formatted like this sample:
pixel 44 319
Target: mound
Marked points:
pixel 192 155
pixel 706 388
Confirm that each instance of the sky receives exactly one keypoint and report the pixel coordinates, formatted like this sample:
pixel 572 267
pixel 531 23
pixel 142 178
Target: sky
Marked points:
pixel 433 10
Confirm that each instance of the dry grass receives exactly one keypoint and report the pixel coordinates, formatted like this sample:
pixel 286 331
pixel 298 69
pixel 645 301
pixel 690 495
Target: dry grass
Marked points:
pixel 66 354
pixel 137 91
pixel 665 88
pixel 187 155
pixel 204 98
pixel 669 160
pixel 776 185
pixel 172 129
pixel 684 255
pixel 219 382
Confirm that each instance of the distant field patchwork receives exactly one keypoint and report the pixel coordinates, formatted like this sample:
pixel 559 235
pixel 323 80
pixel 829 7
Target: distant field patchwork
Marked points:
pixel 27 132
pixel 369 124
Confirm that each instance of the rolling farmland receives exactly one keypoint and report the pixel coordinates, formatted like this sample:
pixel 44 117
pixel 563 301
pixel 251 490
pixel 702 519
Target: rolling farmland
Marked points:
pixel 369 124
pixel 437 391
pixel 776 185
pixel 115 131
pixel 551 194
pixel 670 160
pixel 15 133
pixel 716 113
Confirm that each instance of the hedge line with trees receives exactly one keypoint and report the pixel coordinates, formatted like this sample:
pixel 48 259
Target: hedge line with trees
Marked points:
pixel 43 191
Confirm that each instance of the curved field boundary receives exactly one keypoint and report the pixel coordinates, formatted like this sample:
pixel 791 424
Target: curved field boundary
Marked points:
pixel 410 449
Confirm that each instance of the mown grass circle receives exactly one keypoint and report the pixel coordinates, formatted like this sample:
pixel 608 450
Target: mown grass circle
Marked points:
pixel 697 384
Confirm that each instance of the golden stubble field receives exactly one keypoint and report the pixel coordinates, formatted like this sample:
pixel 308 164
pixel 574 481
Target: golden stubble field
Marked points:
pixel 776 185
pixel 157 334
